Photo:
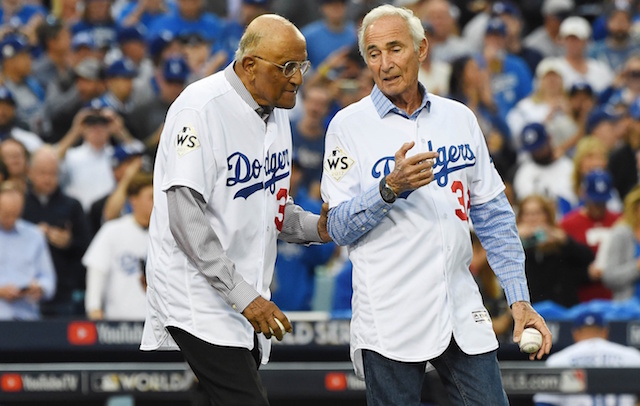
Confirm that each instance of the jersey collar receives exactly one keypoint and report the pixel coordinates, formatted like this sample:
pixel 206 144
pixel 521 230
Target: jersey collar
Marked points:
pixel 384 106
pixel 237 85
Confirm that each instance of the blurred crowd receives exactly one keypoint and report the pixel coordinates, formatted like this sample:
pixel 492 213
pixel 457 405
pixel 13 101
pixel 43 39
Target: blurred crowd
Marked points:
pixel 85 86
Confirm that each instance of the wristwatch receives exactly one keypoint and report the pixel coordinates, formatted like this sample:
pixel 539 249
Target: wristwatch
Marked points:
pixel 388 195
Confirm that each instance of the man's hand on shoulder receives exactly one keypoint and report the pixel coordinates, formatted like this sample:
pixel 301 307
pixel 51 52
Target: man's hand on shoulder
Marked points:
pixel 262 313
pixel 322 223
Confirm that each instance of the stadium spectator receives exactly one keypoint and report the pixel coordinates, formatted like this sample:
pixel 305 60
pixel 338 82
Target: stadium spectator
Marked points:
pixel 15 59
pixel 84 46
pixel 543 174
pixel 54 65
pixel 115 259
pixel 548 104
pixel 591 223
pixel 470 85
pixel 144 12
pixel 163 45
pixel 168 86
pixel 133 46
pixel 119 76
pixel 61 106
pixel 618 45
pixel 575 65
pixel 591 349
pixel 581 102
pixel 127 162
pixel 545 39
pixel 65 228
pixel 626 88
pixel 16 158
pixel 8 124
pixel 618 254
pixel 98 22
pixel 27 275
pixel 509 75
pixel 189 17
pixel 607 125
pixel 444 44
pixel 434 75
pixel 197 53
pixel 624 162
pixel 21 16
pixel 232 31
pixel 307 134
pixel 333 32
pixel 556 265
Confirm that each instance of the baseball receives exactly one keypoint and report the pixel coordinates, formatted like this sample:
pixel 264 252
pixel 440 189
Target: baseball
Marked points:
pixel 279 323
pixel 531 340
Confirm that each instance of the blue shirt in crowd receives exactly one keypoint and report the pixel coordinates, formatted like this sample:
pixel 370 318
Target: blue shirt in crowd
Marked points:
pixel 321 41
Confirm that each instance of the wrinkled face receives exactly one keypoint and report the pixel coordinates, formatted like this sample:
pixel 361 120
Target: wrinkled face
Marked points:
pixel 270 86
pixel 11 204
pixel 44 176
pixel 391 56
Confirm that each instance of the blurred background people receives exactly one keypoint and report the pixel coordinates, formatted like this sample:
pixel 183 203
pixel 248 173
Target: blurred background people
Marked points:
pixel 556 265
pixel 115 259
pixel 27 275
pixel 9 124
pixel 591 349
pixel 16 159
pixel 64 225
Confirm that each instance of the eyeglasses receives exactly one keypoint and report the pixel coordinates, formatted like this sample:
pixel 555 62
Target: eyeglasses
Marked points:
pixel 290 68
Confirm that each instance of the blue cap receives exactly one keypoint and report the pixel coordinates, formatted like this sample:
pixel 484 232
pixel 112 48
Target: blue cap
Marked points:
pixel 83 39
pixel 580 87
pixel 122 153
pixel 534 137
pixel 159 42
pixel 6 95
pixel 97 103
pixel 131 33
pixel 121 68
pixel 589 317
pixel 505 7
pixel 175 69
pixel 495 25
pixel 597 186
pixel 12 45
pixel 599 115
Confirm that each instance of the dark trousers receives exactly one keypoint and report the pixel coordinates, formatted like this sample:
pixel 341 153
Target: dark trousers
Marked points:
pixel 229 375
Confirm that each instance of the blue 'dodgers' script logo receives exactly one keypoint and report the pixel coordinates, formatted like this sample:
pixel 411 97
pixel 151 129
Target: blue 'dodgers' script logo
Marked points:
pixel 461 156
pixel 242 170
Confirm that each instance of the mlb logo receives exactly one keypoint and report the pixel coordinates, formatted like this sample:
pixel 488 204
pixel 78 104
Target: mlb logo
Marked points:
pixel 82 333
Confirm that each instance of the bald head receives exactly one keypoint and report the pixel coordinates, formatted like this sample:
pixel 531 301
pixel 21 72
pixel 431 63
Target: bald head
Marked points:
pixel 43 171
pixel 267 31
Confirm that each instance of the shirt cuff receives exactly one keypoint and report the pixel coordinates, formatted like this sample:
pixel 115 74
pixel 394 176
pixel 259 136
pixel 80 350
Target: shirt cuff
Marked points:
pixel 241 296
pixel 518 292
pixel 310 228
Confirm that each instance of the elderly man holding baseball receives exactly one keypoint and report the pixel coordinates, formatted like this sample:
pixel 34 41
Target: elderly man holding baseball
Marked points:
pixel 405 174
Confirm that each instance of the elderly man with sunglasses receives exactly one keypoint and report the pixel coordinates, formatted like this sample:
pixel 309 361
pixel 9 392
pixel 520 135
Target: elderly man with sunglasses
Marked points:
pixel 221 185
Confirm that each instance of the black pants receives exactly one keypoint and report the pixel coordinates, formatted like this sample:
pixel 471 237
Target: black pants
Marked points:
pixel 229 375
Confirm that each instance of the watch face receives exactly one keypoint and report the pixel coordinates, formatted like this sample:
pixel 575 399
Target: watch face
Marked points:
pixel 387 194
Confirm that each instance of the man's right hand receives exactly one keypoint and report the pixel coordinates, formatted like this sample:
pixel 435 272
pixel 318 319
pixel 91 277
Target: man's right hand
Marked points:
pixel 262 313
pixel 413 172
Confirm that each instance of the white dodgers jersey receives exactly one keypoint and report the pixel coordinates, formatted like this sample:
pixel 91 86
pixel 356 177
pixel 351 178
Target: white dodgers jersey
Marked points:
pixel 411 279
pixel 215 144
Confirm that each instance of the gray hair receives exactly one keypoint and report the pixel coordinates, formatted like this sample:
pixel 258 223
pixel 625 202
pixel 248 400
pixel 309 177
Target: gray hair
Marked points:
pixel 387 10
pixel 248 44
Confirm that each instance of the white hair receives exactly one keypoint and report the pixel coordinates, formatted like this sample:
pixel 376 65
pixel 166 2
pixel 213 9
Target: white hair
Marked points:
pixel 387 10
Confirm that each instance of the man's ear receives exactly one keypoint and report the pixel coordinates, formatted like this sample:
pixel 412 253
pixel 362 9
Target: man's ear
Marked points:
pixel 249 65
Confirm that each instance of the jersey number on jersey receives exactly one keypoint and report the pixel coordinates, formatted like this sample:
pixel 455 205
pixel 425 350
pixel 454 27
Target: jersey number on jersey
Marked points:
pixel 282 198
pixel 457 187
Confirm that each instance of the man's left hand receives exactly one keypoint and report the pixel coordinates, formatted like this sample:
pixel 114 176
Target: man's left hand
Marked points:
pixel 524 315
pixel 322 223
